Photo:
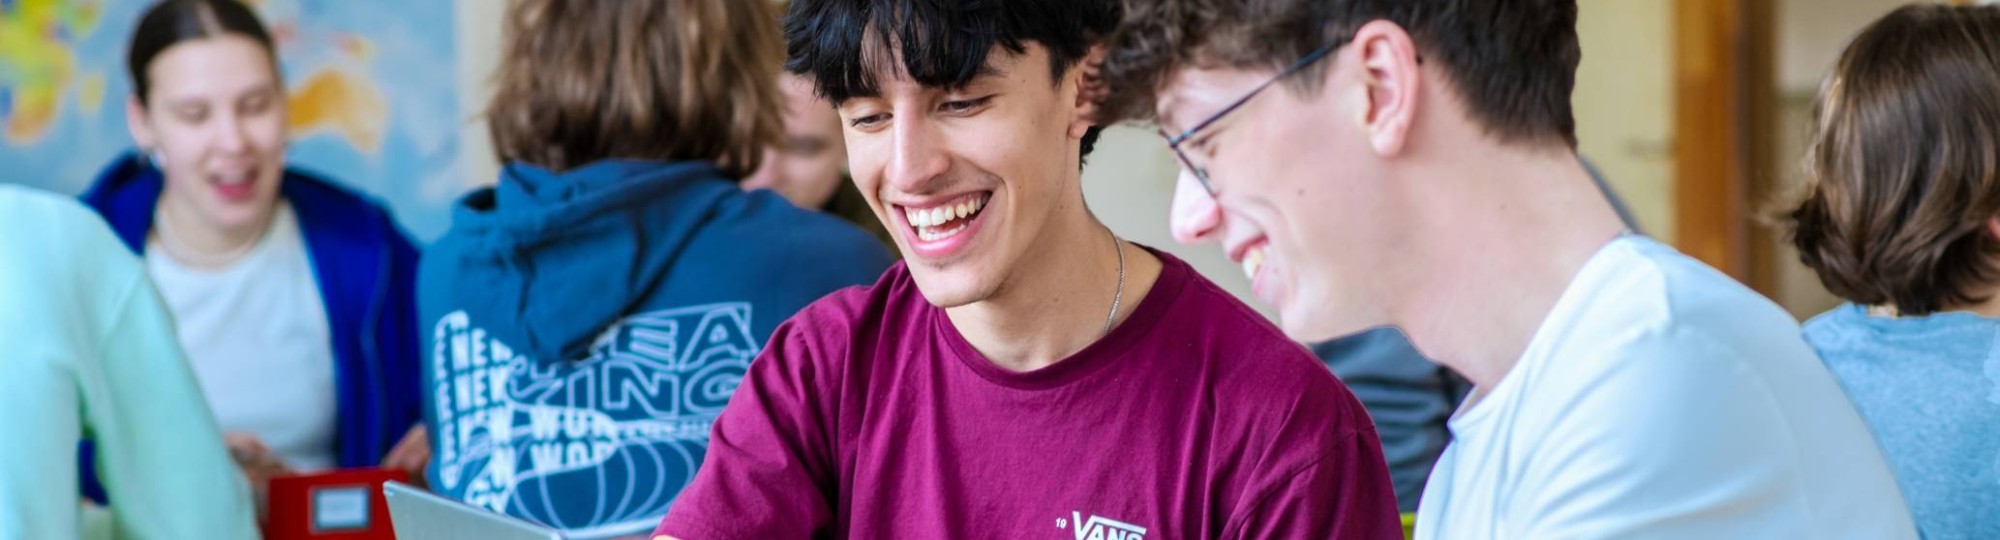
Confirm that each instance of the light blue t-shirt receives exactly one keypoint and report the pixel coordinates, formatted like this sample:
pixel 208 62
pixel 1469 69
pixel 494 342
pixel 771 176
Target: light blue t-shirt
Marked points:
pixel 91 354
pixel 1927 387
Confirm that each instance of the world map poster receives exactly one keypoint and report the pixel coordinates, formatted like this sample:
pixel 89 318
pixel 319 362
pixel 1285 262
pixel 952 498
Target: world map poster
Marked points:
pixel 373 95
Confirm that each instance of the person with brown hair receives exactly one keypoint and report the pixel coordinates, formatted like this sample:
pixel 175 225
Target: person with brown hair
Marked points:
pixel 1413 163
pixel 1900 215
pixel 588 317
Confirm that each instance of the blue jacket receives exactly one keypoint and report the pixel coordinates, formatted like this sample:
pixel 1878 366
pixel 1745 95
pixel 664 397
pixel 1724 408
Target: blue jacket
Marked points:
pixel 586 327
pixel 367 273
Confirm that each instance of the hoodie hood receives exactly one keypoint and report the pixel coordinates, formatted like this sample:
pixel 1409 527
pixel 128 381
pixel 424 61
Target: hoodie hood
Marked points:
pixel 587 244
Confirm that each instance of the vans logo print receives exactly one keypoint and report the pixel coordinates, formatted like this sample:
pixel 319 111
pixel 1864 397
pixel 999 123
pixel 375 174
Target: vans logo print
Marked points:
pixel 1100 528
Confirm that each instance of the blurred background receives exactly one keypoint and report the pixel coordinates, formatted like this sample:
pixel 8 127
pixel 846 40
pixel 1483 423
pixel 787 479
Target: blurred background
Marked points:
pixel 1695 111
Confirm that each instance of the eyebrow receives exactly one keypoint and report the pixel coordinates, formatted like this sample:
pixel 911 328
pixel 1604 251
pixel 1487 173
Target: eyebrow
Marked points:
pixel 874 87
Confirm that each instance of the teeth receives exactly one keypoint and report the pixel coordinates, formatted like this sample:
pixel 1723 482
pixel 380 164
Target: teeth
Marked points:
pixel 926 220
pixel 1252 262
pixel 931 234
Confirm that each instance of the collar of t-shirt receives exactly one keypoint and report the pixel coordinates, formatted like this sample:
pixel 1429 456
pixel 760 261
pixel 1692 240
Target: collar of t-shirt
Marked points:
pixel 1174 278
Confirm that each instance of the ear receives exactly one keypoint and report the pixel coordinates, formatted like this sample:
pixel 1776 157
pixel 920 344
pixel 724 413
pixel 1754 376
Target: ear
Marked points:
pixel 136 123
pixel 1393 81
pixel 1090 91
pixel 1993 226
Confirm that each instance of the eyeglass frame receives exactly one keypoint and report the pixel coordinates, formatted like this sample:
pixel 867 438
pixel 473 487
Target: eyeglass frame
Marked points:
pixel 1174 141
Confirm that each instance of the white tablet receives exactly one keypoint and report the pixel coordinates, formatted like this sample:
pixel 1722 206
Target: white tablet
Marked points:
pixel 420 514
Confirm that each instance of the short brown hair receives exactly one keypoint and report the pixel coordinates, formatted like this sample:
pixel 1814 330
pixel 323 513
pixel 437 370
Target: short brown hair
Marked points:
pixel 1513 62
pixel 1904 170
pixel 582 81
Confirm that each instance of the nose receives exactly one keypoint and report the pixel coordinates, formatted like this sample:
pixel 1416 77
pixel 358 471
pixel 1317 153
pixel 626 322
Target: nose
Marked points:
pixel 1195 217
pixel 232 140
pixel 918 155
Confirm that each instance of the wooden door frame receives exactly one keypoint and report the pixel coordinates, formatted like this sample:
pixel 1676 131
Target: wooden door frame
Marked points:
pixel 1725 104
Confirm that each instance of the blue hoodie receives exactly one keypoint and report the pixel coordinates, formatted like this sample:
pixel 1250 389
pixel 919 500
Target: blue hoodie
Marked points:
pixel 586 327
pixel 366 268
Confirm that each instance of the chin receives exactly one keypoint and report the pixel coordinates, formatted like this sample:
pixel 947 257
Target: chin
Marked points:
pixel 1314 322
pixel 241 214
pixel 950 288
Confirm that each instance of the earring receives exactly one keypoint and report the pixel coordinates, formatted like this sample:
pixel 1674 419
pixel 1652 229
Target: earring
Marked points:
pixel 157 159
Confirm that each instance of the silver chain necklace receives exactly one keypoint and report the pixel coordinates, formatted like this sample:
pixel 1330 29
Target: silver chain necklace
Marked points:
pixel 1119 297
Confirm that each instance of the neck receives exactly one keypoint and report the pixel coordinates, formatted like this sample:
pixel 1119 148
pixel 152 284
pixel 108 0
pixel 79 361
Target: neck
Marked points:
pixel 1989 308
pixel 201 243
pixel 1054 303
pixel 1527 222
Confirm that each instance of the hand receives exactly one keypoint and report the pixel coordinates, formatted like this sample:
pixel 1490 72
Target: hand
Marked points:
pixel 411 455
pixel 253 456
pixel 258 463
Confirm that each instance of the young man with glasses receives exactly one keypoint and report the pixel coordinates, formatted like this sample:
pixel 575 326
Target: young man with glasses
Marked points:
pixel 1025 373
pixel 1413 164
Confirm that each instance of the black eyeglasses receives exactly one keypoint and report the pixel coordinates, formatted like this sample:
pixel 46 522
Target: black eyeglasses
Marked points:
pixel 1201 172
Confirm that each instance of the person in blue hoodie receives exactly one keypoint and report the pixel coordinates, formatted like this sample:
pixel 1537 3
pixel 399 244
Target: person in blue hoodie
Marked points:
pixel 588 316
pixel 293 297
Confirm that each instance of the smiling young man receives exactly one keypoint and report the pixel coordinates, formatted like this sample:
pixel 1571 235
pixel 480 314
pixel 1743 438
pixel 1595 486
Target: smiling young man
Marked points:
pixel 1025 373
pixel 1413 163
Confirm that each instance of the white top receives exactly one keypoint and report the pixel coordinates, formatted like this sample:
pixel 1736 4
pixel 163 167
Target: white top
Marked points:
pixel 1660 399
pixel 260 343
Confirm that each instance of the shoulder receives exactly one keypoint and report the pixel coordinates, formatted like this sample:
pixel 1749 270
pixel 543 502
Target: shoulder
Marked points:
pixel 1639 296
pixel 67 244
pixel 808 229
pixel 1840 331
pixel 1222 328
pixel 844 313
pixel 318 190
pixel 1696 418
pixel 837 329
pixel 807 246
pixel 49 228
pixel 1656 338
pixel 328 202
pixel 1260 375
pixel 326 206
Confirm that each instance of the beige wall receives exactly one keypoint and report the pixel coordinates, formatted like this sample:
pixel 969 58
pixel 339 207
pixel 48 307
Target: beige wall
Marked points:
pixel 1624 104
pixel 479 24
pixel 1624 108
pixel 1129 184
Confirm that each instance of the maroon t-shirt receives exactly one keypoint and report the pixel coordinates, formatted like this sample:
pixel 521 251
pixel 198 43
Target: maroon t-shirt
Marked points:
pixel 869 416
